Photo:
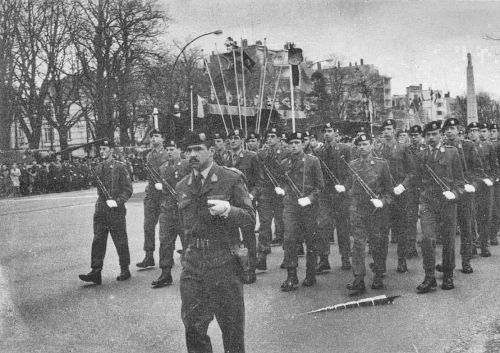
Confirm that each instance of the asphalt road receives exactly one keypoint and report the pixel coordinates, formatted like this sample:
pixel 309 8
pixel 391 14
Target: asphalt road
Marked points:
pixel 44 307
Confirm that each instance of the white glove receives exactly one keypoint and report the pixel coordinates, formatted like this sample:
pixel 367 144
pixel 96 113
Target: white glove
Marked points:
pixel 304 201
pixel 279 191
pixel 159 186
pixel 377 203
pixel 219 207
pixel 469 188
pixel 111 203
pixel 488 182
pixel 340 188
pixel 398 190
pixel 251 197
pixel 449 195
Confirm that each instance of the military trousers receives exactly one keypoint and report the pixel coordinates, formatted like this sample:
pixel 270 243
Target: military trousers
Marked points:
pixel 397 223
pixel 169 230
pixel 412 215
pixel 465 219
pixel 300 223
pixel 270 206
pixel 438 215
pixel 333 207
pixel 109 221
pixel 368 223
pixel 495 217
pixel 484 207
pixel 152 209
pixel 213 293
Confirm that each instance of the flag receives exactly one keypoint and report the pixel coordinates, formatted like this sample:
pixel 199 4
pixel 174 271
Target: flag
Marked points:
pixel 201 107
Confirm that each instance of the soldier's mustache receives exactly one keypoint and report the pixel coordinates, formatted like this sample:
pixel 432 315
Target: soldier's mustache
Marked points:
pixel 191 160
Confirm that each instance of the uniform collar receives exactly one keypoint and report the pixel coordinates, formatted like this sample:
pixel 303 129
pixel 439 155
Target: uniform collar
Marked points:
pixel 204 172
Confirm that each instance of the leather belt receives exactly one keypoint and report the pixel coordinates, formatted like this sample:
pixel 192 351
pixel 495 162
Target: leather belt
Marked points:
pixel 207 244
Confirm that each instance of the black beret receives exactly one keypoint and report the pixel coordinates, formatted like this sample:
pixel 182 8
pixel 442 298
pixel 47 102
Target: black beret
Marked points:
pixel 295 136
pixel 416 129
pixel 431 126
pixel 273 130
pixel 484 126
pixel 236 132
pixel 330 126
pixel 218 135
pixel 170 143
pixel 451 122
pixel 493 126
pixel 253 136
pixel 196 138
pixel 473 125
pixel 362 137
pixel 154 132
pixel 107 142
pixel 389 122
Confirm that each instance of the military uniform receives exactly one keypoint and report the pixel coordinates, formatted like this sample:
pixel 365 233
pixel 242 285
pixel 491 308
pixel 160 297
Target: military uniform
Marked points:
pixel 495 219
pixel 472 171
pixel 300 221
pixel 484 193
pixel 366 221
pixel 116 180
pixel 438 214
pixel 172 172
pixel 413 195
pixel 152 205
pixel 211 277
pixel 334 206
pixel 269 204
pixel 246 163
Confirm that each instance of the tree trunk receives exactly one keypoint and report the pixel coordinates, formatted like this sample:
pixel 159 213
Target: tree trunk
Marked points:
pixel 63 141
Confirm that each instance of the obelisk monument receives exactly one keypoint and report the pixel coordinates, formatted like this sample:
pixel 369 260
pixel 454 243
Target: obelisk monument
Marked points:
pixel 471 93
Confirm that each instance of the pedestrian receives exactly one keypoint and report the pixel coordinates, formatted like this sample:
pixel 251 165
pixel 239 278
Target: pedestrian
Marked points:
pixel 303 184
pixel 15 174
pixel 171 172
pixel 152 200
pixel 213 203
pixel 370 193
pixel 114 188
pixel 442 180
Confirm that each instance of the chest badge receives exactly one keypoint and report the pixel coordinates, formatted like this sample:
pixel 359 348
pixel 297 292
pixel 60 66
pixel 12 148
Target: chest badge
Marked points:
pixel 214 178
pixel 442 149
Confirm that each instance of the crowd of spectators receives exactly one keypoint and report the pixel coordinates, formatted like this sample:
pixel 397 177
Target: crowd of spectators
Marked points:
pixel 43 177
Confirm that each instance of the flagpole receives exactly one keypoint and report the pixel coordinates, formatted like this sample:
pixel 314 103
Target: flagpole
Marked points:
pixel 224 84
pixel 237 88
pixel 293 99
pixel 274 98
pixel 244 89
pixel 216 97
pixel 192 111
pixel 261 87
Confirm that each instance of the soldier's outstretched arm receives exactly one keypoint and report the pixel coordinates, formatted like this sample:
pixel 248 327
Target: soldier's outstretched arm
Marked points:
pixel 126 188
pixel 241 213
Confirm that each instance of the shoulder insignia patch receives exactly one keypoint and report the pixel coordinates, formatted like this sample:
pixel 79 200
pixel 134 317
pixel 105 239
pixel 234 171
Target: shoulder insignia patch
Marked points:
pixel 442 149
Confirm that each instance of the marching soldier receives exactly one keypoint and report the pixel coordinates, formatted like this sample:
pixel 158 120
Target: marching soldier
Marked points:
pixel 219 147
pixel 213 203
pixel 171 172
pixel 114 189
pixel 442 181
pixel 246 163
pixel 253 142
pixel 152 201
pixel 303 183
pixel 269 203
pixel 333 201
pixel 478 133
pixel 416 146
pixel 402 171
pixel 495 221
pixel 472 171
pixel 370 192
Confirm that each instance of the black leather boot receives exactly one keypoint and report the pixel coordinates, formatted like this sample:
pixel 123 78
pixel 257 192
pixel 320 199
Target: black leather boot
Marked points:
pixel 378 282
pixel 291 280
pixel 93 276
pixel 310 279
pixel 485 252
pixel 357 286
pixel 124 274
pixel 164 280
pixel 402 268
pixel 429 284
pixel 323 265
pixel 466 267
pixel 149 261
pixel 261 262
pixel 447 281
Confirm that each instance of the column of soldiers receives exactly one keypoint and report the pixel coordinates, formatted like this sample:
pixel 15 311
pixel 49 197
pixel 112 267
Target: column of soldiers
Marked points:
pixel 305 192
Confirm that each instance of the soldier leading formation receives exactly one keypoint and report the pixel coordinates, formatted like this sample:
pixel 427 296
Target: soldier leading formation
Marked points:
pixel 370 191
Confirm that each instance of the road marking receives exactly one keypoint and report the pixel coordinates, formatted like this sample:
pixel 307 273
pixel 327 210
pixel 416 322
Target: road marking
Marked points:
pixel 49 198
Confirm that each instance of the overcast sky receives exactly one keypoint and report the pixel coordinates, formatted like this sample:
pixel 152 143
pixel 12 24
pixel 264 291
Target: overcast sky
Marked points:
pixel 411 41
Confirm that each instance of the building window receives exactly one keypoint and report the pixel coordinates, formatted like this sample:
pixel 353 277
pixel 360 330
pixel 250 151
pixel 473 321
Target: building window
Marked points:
pixel 439 112
pixel 69 134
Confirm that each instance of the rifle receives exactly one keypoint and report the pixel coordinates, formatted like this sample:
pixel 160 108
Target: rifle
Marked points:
pixel 291 184
pixel 437 179
pixel 327 170
pixel 73 148
pixel 100 184
pixel 157 178
pixel 360 180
